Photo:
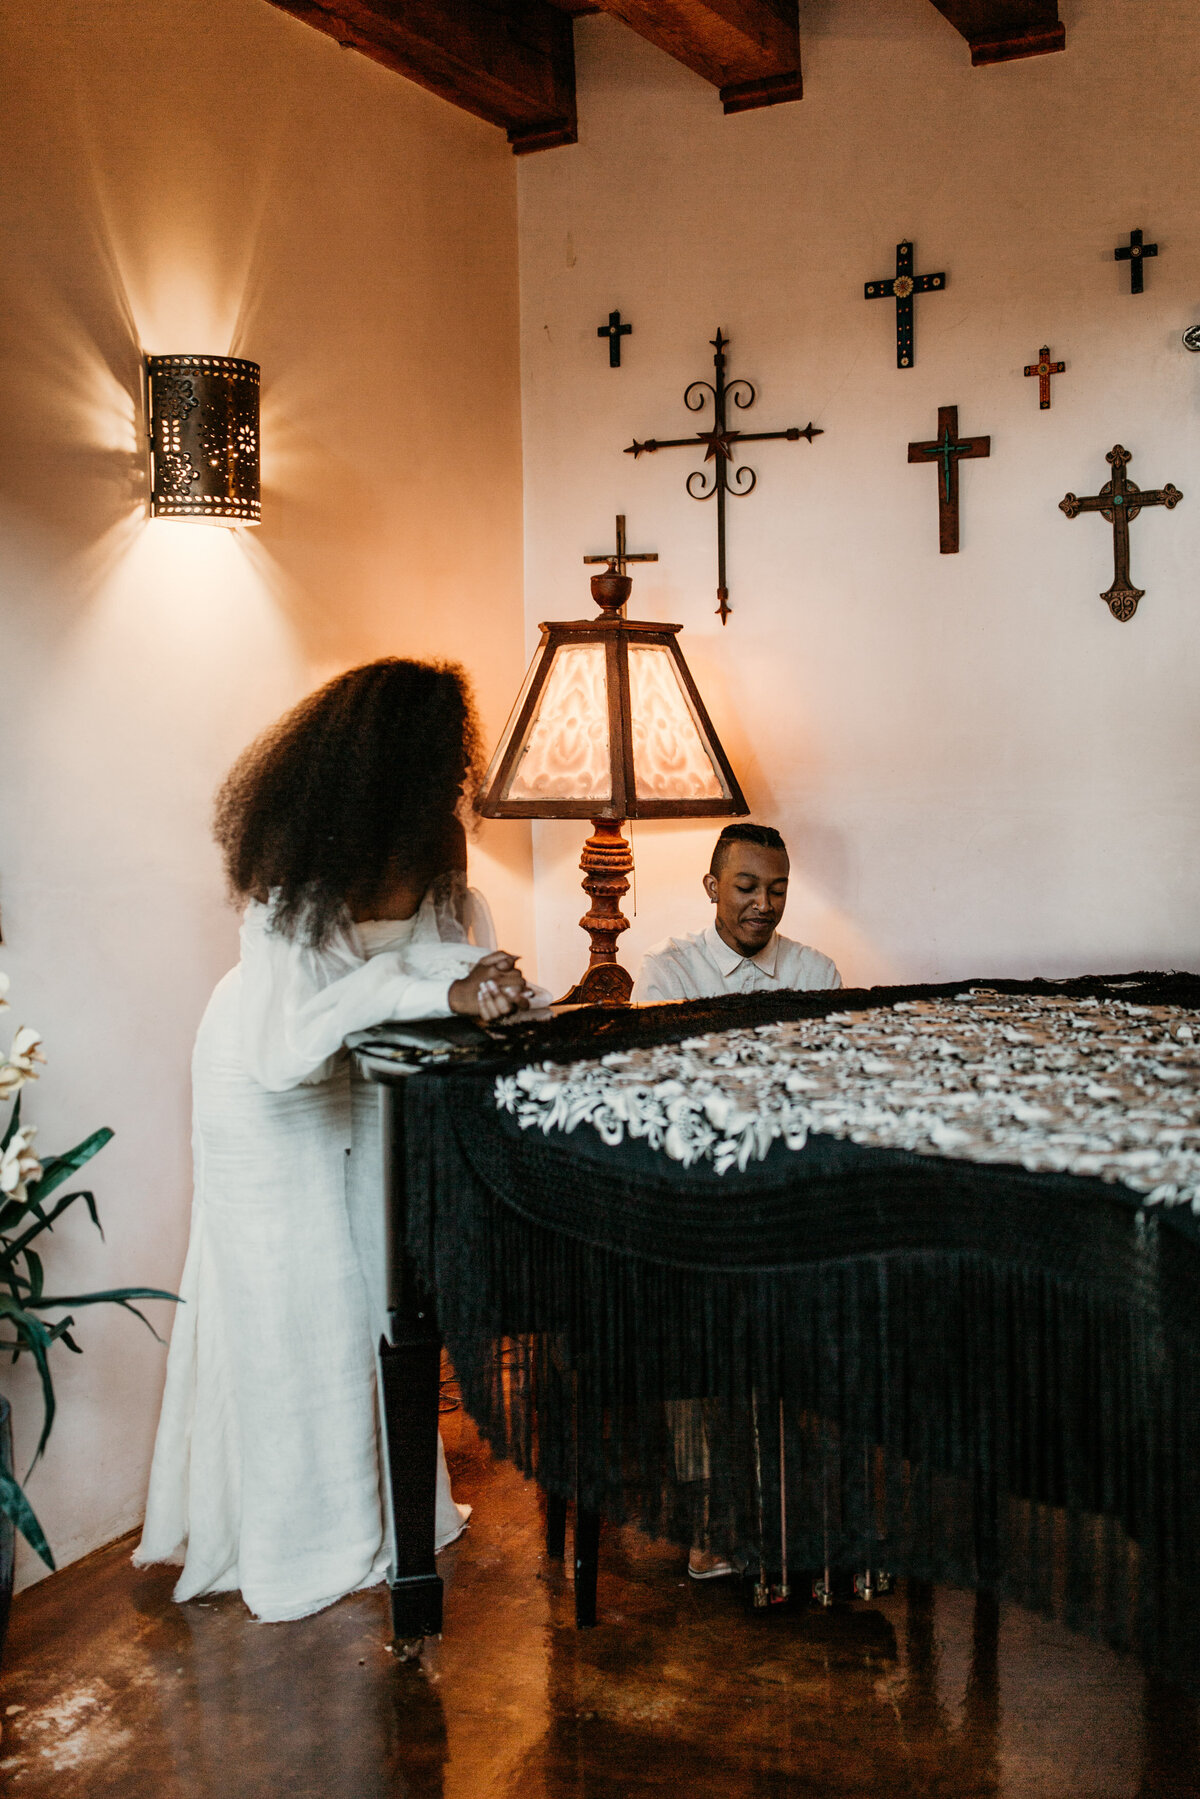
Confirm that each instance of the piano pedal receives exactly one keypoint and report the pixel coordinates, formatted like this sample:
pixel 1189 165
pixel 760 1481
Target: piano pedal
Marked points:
pixel 871 1583
pixel 765 1594
pixel 833 1587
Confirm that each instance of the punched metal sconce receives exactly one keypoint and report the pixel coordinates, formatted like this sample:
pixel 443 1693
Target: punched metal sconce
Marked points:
pixel 204 438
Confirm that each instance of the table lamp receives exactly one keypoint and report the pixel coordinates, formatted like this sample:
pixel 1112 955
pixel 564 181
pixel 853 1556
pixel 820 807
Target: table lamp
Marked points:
pixel 608 726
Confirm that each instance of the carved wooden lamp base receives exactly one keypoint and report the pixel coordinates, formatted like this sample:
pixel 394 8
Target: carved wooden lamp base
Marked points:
pixel 606 863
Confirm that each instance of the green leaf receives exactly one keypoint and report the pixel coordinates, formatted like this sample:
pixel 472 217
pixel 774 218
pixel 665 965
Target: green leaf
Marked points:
pixel 60 1168
pixel 36 1341
pixel 14 1505
pixel 36 1279
pixel 118 1296
pixel 46 1221
pixel 113 1295
pixel 13 1122
pixel 17 1245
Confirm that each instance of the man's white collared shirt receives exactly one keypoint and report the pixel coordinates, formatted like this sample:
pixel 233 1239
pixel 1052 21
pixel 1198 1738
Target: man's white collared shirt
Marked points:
pixel 702 966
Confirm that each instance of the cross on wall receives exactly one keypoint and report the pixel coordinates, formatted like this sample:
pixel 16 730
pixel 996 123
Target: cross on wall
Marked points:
pixel 618 560
pixel 947 450
pixel 901 287
pixel 1119 501
pixel 1135 253
pixel 727 476
pixel 1043 368
pixel 614 331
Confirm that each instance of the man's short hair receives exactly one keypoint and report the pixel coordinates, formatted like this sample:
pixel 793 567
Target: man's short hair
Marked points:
pixel 766 837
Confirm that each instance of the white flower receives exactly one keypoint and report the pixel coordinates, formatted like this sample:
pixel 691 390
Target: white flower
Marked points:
pixel 19 1165
pixel 19 1068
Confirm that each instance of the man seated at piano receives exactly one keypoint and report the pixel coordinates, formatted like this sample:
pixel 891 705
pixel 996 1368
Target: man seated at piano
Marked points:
pixel 740 952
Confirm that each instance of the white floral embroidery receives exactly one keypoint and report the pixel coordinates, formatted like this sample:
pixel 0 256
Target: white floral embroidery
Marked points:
pixel 1055 1085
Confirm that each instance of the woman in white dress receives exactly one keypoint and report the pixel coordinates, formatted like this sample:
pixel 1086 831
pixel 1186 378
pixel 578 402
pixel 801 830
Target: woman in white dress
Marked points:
pixel 340 832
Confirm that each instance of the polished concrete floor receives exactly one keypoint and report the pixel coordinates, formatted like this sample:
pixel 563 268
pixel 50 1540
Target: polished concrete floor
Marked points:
pixel 110 1691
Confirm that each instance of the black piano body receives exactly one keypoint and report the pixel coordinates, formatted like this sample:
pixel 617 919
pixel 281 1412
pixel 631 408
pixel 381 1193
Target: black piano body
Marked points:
pixel 960 1372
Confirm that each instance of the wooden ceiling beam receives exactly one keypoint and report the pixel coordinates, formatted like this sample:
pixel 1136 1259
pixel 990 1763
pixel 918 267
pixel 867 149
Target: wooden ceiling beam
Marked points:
pixel 511 62
pixel 1003 30
pixel 749 49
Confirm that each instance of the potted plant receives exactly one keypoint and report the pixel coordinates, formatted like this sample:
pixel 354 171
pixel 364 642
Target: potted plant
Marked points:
pixel 27 1185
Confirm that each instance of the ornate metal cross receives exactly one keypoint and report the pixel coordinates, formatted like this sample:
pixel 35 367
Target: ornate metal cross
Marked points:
pixel 901 288
pixel 1043 368
pixel 618 560
pixel 614 331
pixel 948 450
pixel 726 477
pixel 1135 253
pixel 1118 501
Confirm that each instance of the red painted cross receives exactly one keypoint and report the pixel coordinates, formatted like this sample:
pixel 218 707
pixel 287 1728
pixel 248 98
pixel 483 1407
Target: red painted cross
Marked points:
pixel 1043 368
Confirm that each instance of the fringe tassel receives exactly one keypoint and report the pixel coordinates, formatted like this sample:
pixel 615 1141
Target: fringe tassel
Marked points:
pixel 1012 1415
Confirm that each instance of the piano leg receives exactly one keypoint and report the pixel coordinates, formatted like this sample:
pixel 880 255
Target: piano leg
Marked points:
pixel 587 1523
pixel 556 1527
pixel 587 1564
pixel 411 1379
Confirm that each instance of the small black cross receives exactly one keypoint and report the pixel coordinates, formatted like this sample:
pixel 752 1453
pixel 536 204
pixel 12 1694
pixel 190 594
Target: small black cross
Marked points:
pixel 618 560
pixel 1135 253
pixel 614 331
pixel 901 288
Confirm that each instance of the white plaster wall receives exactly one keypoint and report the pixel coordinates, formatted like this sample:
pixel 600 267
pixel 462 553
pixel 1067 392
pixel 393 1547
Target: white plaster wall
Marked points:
pixel 976 767
pixel 214 178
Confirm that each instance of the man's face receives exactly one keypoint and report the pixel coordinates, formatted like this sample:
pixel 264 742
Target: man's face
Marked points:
pixel 750 893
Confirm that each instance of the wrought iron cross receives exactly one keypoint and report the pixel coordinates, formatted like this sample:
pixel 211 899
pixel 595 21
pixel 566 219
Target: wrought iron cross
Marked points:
pixel 1118 501
pixel 1043 368
pixel 1135 253
pixel 948 450
pixel 726 477
pixel 901 288
pixel 618 560
pixel 614 331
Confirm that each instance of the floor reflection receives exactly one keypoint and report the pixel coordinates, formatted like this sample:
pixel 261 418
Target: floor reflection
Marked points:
pixel 926 1694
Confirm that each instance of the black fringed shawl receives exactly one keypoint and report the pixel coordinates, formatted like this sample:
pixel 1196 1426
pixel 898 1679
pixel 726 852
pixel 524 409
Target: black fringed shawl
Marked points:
pixel 972 1373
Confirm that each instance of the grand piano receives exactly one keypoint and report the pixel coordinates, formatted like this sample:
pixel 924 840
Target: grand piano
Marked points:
pixel 769 1270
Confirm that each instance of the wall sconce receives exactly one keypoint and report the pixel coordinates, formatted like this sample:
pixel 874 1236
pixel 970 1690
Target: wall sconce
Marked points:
pixel 203 414
pixel 609 726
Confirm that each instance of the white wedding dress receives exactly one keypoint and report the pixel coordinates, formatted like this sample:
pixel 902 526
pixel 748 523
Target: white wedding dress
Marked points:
pixel 266 1468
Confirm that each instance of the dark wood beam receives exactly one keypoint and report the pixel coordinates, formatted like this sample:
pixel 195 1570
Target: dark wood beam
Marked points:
pixel 749 49
pixel 1003 30
pixel 511 62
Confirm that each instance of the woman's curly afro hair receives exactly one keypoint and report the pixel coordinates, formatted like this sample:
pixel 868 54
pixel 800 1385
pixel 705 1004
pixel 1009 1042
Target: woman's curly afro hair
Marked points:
pixel 358 786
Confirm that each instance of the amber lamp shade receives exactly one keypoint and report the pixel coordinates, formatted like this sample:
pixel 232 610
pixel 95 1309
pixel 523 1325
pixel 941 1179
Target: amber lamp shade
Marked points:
pixel 608 726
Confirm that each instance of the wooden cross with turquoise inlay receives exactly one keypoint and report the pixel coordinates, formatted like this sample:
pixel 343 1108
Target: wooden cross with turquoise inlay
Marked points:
pixel 1118 501
pixel 948 450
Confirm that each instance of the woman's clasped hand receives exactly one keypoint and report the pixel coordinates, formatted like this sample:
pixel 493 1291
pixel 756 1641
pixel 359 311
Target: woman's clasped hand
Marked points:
pixel 494 988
